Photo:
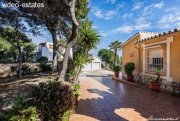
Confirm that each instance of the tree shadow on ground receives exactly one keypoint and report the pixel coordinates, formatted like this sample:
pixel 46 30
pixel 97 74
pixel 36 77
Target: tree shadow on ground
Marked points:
pixel 9 89
pixel 14 79
pixel 9 93
pixel 123 102
pixel 105 108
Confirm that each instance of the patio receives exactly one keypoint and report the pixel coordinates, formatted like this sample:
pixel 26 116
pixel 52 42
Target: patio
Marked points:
pixel 105 99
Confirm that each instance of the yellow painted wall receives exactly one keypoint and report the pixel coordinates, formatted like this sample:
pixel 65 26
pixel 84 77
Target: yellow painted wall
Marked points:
pixel 128 50
pixel 175 53
pixel 175 57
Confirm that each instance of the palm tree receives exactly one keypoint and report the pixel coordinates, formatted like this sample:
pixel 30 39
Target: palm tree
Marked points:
pixel 116 45
pixel 89 37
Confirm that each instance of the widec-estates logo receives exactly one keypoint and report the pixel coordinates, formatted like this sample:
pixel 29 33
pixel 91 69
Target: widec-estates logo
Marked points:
pixel 24 5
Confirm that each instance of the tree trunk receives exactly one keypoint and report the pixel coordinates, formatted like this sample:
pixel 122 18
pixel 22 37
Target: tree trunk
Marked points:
pixel 77 79
pixel 75 27
pixel 76 72
pixel 68 47
pixel 115 57
pixel 54 64
pixel 65 61
pixel 19 61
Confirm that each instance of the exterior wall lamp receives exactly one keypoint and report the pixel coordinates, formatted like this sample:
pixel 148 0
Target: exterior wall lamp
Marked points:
pixel 131 54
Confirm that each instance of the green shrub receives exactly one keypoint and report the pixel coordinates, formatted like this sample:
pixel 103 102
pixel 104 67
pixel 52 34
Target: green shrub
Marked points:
pixel 51 79
pixel 45 67
pixel 158 71
pixel 42 59
pixel 129 68
pixel 25 69
pixel 26 114
pixel 76 88
pixel 20 111
pixel 18 103
pixel 43 64
pixel 66 115
pixel 14 68
pixel 53 100
pixel 117 68
pixel 69 75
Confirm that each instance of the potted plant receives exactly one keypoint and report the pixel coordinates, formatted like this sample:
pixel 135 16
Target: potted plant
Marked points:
pixel 129 68
pixel 116 69
pixel 76 88
pixel 155 84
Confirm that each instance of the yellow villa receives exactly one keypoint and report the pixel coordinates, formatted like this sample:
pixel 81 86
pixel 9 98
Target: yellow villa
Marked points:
pixel 151 50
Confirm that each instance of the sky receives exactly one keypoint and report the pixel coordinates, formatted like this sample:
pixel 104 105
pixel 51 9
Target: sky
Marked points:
pixel 121 19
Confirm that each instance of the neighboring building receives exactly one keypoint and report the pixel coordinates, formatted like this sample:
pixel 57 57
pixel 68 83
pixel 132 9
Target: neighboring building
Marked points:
pixel 46 50
pixel 152 50
pixel 94 65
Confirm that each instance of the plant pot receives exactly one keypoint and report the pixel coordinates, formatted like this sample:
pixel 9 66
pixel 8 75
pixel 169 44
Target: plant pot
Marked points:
pixel 76 100
pixel 130 78
pixel 116 74
pixel 154 86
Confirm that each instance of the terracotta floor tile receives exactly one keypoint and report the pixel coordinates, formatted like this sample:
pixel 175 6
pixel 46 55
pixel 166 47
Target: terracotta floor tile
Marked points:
pixel 107 100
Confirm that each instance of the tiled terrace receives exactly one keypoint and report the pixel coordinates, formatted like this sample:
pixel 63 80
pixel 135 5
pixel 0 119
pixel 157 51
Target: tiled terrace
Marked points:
pixel 107 100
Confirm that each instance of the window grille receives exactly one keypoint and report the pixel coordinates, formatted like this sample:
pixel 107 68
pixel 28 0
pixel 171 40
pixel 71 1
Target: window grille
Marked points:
pixel 155 59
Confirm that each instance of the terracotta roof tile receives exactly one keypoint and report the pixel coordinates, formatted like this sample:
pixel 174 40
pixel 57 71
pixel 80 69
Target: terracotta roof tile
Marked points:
pixel 159 35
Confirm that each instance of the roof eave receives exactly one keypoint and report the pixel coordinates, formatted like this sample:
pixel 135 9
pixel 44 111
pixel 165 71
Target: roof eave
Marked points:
pixel 135 35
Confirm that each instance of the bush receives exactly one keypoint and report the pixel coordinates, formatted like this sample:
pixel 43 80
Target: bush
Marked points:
pixel 66 115
pixel 129 68
pixel 42 59
pixel 51 79
pixel 69 75
pixel 76 88
pixel 45 67
pixel 117 68
pixel 26 114
pixel 53 100
pixel 25 69
pixel 13 68
pixel 20 111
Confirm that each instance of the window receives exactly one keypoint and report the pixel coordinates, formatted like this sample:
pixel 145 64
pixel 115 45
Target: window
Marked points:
pixel 155 59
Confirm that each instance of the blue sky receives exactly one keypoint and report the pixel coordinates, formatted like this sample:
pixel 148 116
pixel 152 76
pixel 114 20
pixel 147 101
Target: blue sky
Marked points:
pixel 121 19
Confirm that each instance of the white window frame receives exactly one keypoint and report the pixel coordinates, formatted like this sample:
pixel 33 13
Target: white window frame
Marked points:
pixel 168 61
pixel 156 52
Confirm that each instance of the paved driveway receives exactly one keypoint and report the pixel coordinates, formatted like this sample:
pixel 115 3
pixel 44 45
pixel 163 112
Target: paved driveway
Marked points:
pixel 105 99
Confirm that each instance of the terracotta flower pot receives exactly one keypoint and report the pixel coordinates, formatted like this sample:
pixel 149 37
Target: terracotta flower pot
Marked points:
pixel 76 100
pixel 154 86
pixel 116 74
pixel 130 78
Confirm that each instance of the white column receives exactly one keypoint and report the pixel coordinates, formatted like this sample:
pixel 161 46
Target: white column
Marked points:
pixel 168 69
pixel 144 63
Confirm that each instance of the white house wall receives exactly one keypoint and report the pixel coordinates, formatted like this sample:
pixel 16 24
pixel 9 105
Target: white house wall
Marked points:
pixel 94 65
pixel 47 53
